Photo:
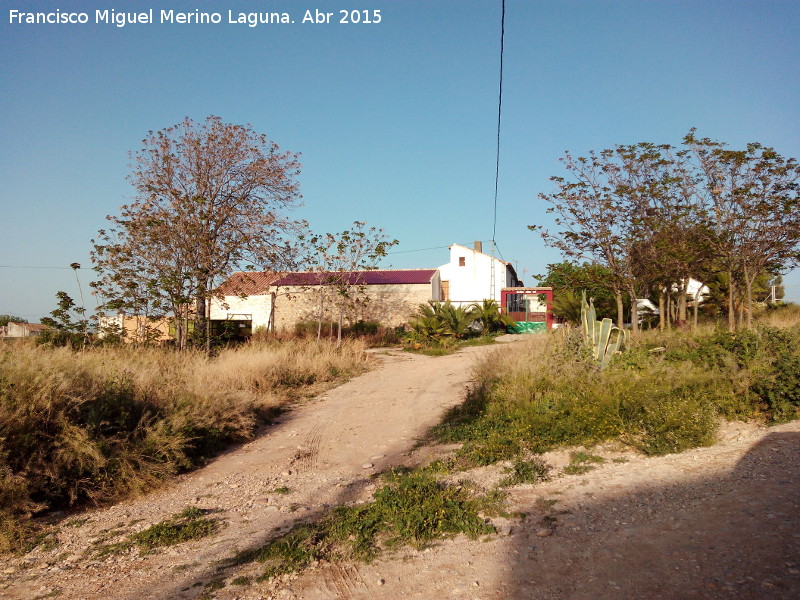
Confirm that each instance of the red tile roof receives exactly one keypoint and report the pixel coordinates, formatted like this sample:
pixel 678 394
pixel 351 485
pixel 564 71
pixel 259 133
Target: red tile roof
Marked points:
pixel 256 283
pixel 378 277
pixel 248 283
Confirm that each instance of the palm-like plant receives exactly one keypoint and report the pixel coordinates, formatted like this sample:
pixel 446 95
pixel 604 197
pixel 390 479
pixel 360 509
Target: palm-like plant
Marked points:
pixel 567 306
pixel 426 329
pixel 456 319
pixel 442 319
pixel 491 318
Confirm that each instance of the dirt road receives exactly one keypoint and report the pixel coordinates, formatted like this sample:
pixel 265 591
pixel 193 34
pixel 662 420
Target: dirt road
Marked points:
pixel 721 522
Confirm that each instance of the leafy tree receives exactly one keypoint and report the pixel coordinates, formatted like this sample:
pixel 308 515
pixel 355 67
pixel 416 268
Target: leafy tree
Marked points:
pixel 753 200
pixel 569 279
pixel 6 319
pixel 595 207
pixel 211 197
pixel 68 324
pixel 655 216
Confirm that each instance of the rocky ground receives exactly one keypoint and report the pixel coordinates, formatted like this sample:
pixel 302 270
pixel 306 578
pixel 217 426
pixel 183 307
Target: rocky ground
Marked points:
pixel 719 522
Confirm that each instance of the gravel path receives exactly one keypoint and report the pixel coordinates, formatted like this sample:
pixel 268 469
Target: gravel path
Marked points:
pixel 719 522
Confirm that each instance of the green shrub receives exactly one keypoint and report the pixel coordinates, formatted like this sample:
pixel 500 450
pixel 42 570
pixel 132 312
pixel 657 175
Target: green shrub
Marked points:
pixel 778 383
pixel 665 395
pixel 361 328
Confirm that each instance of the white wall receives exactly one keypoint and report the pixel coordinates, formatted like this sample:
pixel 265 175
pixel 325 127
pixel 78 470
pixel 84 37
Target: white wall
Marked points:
pixel 472 282
pixel 256 306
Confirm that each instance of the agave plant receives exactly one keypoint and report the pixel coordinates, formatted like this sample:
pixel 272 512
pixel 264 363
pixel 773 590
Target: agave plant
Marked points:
pixel 603 339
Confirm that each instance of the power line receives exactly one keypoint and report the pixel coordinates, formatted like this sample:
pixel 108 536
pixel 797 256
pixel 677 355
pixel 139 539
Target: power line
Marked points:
pixel 492 277
pixel 35 267
pixel 417 250
pixel 432 248
pixel 499 115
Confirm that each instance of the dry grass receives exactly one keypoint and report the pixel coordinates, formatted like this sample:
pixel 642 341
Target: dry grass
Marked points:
pixel 98 425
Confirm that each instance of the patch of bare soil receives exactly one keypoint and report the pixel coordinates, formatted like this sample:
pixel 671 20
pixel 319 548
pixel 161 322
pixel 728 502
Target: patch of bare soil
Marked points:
pixel 719 522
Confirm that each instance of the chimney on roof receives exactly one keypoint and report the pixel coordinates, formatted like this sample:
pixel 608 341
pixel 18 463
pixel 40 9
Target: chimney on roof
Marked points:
pixel 478 246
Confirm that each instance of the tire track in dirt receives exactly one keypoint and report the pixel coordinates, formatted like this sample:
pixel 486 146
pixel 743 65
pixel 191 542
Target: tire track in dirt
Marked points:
pixel 343 581
pixel 307 455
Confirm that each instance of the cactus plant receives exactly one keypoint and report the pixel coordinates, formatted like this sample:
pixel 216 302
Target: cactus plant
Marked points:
pixel 601 337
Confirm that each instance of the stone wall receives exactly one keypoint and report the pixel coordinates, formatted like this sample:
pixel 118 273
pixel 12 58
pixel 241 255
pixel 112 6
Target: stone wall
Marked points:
pixel 390 305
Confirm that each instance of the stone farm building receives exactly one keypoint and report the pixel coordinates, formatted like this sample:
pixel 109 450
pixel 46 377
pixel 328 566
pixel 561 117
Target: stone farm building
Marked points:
pixel 392 296
pixel 22 330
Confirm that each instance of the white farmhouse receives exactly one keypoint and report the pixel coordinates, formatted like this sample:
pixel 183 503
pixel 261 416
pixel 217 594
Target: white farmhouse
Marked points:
pixel 392 296
pixel 472 276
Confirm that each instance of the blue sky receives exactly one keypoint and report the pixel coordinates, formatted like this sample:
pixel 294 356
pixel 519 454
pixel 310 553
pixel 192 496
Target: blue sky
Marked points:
pixel 396 121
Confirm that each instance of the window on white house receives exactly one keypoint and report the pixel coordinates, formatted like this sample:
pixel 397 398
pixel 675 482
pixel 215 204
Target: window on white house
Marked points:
pixel 462 262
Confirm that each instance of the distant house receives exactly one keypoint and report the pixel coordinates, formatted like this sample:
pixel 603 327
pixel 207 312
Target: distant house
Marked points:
pixel 391 296
pixel 136 328
pixel 23 330
pixel 269 300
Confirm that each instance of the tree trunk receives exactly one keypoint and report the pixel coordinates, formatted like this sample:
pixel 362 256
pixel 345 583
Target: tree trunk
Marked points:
pixel 620 309
pixel 682 309
pixel 731 309
pixel 669 312
pixel 696 306
pixel 661 311
pixel 741 314
pixel 748 281
pixel 634 310
pixel 321 312
pixel 180 332
pixel 339 333
pixel 273 296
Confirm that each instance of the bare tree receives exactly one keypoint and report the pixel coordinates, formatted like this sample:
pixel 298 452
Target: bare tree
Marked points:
pixel 211 197
pixel 340 262
pixel 596 211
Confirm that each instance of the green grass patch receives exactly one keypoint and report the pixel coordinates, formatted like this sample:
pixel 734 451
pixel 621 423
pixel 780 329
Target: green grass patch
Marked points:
pixel 77 522
pixel 409 508
pixel 532 470
pixel 189 524
pixel 549 395
pixel 432 350
pixel 582 462
pixel 446 346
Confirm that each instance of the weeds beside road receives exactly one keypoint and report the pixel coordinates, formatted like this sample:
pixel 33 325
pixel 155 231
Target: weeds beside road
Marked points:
pixel 95 426
pixel 665 395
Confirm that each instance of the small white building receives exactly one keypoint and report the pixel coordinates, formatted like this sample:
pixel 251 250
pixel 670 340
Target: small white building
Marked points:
pixel 472 276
